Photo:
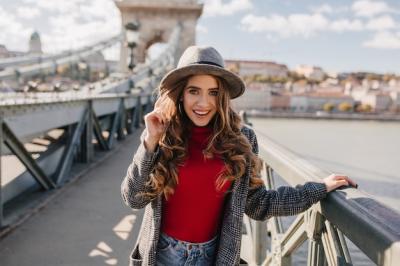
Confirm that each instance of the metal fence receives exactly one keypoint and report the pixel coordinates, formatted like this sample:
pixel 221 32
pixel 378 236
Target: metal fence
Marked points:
pixel 90 121
pixel 348 213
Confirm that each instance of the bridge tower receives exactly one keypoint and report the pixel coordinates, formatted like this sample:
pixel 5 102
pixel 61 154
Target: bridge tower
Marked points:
pixel 157 20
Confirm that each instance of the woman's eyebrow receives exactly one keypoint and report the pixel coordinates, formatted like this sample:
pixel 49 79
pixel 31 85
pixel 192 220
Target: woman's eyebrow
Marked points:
pixel 195 87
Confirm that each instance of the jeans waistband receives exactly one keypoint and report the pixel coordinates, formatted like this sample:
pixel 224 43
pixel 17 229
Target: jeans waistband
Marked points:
pixel 190 244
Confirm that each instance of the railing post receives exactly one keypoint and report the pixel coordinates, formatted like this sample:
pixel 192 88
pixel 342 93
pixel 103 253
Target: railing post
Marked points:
pixel 121 122
pixel 137 113
pixel 314 222
pixel 1 187
pixel 335 246
pixel 260 236
pixel 87 137
pixel 316 255
pixel 149 105
pixel 275 226
pixel 260 233
pixel 277 257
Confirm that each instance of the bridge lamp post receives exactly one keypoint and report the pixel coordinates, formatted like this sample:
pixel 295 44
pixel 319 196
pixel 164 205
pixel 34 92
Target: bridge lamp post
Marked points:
pixel 132 39
pixel 82 67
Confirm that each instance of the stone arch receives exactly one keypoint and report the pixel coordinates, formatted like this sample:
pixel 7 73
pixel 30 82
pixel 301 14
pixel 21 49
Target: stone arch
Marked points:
pixel 157 19
pixel 157 37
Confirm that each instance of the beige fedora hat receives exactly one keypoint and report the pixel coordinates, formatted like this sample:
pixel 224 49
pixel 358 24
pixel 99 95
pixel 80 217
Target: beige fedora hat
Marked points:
pixel 197 60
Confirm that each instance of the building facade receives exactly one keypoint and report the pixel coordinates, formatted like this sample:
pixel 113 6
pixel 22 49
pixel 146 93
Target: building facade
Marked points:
pixel 311 72
pixel 256 96
pixel 35 45
pixel 252 68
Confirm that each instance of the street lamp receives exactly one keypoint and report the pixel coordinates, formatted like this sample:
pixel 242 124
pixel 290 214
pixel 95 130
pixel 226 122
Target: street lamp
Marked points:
pixel 82 68
pixel 132 39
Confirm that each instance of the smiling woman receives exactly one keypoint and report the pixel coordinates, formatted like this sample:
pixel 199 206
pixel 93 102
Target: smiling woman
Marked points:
pixel 197 170
pixel 200 99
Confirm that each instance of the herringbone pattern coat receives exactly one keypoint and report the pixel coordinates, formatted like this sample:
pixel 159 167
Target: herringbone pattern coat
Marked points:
pixel 258 204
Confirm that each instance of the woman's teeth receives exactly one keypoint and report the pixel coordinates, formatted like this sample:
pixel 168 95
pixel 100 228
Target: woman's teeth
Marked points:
pixel 202 113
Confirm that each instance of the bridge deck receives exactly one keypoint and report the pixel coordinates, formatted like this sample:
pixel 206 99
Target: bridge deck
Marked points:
pixel 86 224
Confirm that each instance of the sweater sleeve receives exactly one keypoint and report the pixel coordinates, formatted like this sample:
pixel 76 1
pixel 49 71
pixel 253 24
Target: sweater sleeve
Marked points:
pixel 284 201
pixel 137 175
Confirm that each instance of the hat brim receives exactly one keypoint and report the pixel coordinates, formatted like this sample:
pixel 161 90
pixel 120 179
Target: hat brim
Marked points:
pixel 235 83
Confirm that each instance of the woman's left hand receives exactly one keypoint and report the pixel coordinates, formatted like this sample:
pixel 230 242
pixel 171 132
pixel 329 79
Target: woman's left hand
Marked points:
pixel 334 181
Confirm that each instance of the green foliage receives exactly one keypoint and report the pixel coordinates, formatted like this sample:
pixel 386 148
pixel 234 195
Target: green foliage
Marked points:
pixel 364 108
pixel 328 107
pixel 345 107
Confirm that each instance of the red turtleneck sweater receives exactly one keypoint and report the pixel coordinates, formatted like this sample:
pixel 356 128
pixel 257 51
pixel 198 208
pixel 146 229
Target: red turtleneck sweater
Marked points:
pixel 194 211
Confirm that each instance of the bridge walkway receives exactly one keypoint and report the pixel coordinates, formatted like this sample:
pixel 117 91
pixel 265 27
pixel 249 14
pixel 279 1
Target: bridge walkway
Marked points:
pixel 87 223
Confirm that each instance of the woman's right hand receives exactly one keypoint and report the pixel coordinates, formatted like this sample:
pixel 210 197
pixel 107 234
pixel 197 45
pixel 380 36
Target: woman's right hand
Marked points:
pixel 156 124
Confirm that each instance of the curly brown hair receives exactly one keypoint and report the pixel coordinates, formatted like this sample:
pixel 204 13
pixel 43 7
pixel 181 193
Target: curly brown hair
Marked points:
pixel 226 141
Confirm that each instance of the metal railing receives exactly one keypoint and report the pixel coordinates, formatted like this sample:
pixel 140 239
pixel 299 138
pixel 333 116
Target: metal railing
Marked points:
pixel 89 122
pixel 348 213
pixel 19 68
pixel 36 59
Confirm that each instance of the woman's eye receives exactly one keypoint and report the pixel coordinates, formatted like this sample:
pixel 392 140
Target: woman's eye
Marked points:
pixel 214 93
pixel 193 91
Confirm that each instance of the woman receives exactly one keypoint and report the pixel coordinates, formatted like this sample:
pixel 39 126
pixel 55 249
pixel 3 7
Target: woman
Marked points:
pixel 196 170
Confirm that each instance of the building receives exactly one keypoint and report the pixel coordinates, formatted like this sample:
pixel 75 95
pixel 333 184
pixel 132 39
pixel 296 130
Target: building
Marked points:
pixel 256 96
pixel 395 95
pixel 252 68
pixel 5 53
pixel 280 102
pixel 300 86
pixel 316 100
pixel 35 45
pixel 379 101
pixel 311 72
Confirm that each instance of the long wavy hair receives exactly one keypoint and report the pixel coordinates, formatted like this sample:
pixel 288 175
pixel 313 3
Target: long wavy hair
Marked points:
pixel 226 141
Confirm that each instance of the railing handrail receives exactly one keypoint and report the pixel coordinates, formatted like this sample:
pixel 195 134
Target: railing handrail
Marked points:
pixel 370 225
pixel 52 62
pixel 56 100
pixel 37 59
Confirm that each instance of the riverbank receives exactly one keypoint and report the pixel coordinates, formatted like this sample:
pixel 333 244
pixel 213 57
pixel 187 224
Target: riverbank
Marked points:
pixel 323 115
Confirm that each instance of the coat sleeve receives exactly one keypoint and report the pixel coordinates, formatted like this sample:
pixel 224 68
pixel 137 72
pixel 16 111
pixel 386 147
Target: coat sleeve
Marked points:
pixel 137 175
pixel 262 203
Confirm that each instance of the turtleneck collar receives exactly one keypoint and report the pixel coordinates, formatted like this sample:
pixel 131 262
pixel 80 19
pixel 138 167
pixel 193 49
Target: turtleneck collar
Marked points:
pixel 200 134
pixel 200 130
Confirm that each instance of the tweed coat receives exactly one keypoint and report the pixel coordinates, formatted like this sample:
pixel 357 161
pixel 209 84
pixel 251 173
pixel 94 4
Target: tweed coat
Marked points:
pixel 258 203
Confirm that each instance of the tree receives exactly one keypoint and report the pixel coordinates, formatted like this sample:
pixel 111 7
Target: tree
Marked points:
pixel 364 108
pixel 328 107
pixel 345 107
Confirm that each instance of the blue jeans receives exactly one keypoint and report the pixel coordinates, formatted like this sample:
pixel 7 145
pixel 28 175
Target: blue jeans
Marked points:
pixel 171 251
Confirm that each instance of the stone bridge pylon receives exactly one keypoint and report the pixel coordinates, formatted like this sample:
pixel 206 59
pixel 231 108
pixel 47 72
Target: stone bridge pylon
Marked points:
pixel 157 20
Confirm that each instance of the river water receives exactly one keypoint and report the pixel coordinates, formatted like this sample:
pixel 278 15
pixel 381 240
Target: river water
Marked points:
pixel 367 151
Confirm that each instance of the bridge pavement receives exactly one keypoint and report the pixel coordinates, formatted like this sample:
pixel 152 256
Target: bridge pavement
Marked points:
pixel 86 224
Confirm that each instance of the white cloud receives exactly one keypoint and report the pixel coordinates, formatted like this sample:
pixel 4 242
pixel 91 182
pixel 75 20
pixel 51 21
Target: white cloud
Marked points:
pixel 368 8
pixel 384 40
pixel 343 25
pixel 78 23
pixel 325 8
pixel 26 12
pixel 294 25
pixel 201 29
pixel 12 32
pixel 381 23
pixel 58 6
pixel 217 7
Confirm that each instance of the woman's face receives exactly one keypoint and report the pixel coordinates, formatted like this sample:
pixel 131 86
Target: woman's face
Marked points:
pixel 200 99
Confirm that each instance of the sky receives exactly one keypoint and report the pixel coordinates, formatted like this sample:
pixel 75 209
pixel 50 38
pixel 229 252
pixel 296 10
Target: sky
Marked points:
pixel 339 36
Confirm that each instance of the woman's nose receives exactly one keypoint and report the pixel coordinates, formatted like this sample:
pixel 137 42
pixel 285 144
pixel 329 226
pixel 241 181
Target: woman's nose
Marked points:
pixel 203 100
